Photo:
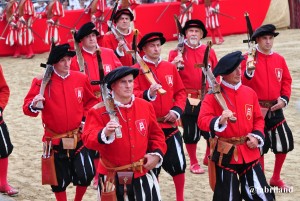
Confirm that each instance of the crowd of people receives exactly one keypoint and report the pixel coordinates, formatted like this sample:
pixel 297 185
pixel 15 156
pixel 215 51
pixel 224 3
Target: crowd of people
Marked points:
pixel 111 108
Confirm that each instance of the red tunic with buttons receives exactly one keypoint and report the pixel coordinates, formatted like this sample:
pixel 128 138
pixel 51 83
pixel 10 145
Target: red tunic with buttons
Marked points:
pixel 4 90
pixel 191 76
pixel 271 78
pixel 140 135
pixel 109 61
pixel 110 41
pixel 244 104
pixel 66 102
pixel 168 77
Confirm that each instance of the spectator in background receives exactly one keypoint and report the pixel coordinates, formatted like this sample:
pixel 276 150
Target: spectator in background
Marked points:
pixel 74 4
pixel 40 6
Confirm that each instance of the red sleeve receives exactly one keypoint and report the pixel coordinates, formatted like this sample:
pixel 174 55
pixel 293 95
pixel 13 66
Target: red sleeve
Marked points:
pixel 172 55
pixel 179 91
pixel 33 91
pixel 286 81
pixel 4 90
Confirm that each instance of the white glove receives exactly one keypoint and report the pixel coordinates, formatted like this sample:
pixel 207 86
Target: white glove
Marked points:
pixel 211 9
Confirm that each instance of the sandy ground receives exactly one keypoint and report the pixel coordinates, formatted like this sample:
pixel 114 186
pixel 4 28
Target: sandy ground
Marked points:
pixel 26 132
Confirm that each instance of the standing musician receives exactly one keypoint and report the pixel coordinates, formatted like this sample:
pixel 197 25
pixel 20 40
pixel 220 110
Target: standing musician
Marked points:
pixel 124 37
pixel 10 13
pixel 272 82
pixel 54 11
pixel 25 34
pixel 238 173
pixel 67 98
pixel 212 8
pixel 194 30
pixel 6 147
pixel 87 36
pixel 141 147
pixel 168 107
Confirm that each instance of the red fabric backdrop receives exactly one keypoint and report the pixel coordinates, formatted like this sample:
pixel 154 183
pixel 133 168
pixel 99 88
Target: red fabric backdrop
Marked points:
pixel 146 21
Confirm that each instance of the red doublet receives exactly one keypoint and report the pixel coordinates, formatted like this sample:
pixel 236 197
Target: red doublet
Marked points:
pixel 212 20
pixel 110 41
pixel 109 61
pixel 140 135
pixel 66 102
pixel 4 90
pixel 191 76
pixel 168 77
pixel 271 78
pixel 244 104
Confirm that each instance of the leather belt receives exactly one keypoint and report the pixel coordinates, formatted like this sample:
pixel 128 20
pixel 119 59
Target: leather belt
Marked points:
pixel 235 140
pixel 267 104
pixel 162 119
pixel 135 166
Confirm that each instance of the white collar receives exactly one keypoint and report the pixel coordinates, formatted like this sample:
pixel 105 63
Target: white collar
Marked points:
pixel 118 104
pixel 186 43
pixel 149 61
pixel 97 46
pixel 271 52
pixel 234 87
pixel 63 77
pixel 129 31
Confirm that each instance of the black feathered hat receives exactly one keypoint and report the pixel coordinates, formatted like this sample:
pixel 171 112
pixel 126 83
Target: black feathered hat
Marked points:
pixel 85 30
pixel 195 23
pixel 150 37
pixel 125 11
pixel 268 29
pixel 119 73
pixel 58 52
pixel 228 63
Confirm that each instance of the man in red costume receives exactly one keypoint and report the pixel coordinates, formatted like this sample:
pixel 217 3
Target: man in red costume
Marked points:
pixel 10 13
pixel 238 168
pixel 87 36
pixel 194 31
pixel 25 34
pixel 141 146
pixel 66 100
pixel 272 82
pixel 212 8
pixel 54 11
pixel 123 30
pixel 6 146
pixel 168 107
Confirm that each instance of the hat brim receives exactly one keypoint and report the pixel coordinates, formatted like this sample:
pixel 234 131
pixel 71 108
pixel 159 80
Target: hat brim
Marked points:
pixel 115 77
pixel 254 36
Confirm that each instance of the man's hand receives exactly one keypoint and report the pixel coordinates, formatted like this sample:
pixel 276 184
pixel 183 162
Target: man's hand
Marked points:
pixel 170 117
pixel 178 59
pixel 252 143
pixel 121 45
pixel 151 161
pixel 279 105
pixel 110 128
pixel 36 99
pixel 153 89
pixel 225 115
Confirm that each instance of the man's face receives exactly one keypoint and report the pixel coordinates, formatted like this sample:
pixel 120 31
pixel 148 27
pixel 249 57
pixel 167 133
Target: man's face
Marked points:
pixel 193 35
pixel 89 41
pixel 63 66
pixel 152 50
pixel 234 77
pixel 123 22
pixel 123 88
pixel 265 43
